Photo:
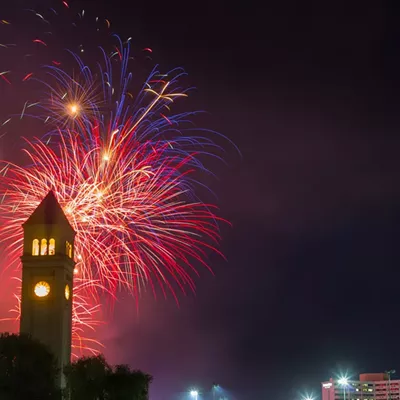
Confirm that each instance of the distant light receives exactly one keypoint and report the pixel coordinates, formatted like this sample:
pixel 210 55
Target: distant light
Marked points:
pixel 307 397
pixel 327 385
pixel 194 393
pixel 343 381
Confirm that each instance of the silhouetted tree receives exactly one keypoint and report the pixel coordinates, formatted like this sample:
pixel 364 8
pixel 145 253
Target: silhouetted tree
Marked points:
pixel 27 369
pixel 87 378
pixel 92 378
pixel 126 384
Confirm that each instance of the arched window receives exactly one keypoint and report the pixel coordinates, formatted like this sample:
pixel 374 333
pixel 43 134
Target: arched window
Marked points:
pixel 35 247
pixel 43 247
pixel 52 247
pixel 68 249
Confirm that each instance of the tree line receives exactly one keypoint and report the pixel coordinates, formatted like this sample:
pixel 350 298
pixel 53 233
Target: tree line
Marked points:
pixel 28 371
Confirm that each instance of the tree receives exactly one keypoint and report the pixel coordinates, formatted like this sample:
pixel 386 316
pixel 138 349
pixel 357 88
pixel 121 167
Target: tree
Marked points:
pixel 87 378
pixel 126 384
pixel 27 369
pixel 91 378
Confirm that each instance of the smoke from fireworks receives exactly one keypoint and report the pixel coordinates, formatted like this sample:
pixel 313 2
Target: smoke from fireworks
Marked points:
pixel 123 167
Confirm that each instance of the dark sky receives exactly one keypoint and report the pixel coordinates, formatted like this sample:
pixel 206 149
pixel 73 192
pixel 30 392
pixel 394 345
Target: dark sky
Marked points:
pixel 309 93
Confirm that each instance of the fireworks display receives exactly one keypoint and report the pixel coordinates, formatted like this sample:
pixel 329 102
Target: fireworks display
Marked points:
pixel 123 166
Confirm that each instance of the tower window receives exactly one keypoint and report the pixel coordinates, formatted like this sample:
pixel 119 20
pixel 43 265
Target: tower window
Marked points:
pixel 52 247
pixel 67 292
pixel 43 247
pixel 35 247
pixel 68 249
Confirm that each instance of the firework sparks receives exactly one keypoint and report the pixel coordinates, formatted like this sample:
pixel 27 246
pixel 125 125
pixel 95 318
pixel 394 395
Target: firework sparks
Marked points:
pixel 124 171
pixel 39 41
pixel 127 205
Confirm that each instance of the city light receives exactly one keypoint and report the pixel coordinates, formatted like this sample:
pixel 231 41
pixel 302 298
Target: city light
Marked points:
pixel 308 397
pixel 343 381
pixel 194 394
pixel 215 386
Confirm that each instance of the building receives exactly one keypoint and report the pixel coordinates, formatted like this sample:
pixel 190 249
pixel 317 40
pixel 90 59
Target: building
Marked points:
pixel 47 279
pixel 368 387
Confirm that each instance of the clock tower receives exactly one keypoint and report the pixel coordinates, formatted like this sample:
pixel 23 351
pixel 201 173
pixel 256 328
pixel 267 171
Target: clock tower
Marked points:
pixel 47 279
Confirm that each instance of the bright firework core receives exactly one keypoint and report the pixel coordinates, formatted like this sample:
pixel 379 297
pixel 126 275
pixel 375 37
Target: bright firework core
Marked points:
pixel 73 109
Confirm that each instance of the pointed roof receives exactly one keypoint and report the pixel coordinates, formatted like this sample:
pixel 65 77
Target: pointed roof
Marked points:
pixel 48 212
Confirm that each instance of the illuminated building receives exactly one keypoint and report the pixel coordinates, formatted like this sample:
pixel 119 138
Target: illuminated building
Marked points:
pixel 368 387
pixel 47 279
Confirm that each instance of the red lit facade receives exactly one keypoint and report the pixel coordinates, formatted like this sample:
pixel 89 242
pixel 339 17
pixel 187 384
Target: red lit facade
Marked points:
pixel 368 387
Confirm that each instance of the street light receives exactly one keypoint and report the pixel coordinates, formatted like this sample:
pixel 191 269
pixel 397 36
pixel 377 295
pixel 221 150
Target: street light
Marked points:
pixel 389 374
pixel 215 387
pixel 307 397
pixel 344 381
pixel 194 394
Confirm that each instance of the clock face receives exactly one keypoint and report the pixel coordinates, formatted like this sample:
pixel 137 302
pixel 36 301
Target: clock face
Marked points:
pixel 42 289
pixel 67 292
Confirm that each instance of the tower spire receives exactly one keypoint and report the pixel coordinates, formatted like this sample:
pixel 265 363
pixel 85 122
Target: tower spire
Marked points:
pixel 48 212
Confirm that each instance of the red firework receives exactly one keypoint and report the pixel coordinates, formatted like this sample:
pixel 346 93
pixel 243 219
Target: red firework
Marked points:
pixel 124 170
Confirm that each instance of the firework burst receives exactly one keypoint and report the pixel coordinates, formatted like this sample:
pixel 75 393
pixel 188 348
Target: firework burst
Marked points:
pixel 122 166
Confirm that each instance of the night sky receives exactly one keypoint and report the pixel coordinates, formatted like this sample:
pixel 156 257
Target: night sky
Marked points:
pixel 309 93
